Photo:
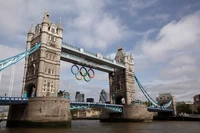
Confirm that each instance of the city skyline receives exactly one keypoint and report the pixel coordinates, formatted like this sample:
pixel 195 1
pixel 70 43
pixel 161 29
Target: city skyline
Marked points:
pixel 163 37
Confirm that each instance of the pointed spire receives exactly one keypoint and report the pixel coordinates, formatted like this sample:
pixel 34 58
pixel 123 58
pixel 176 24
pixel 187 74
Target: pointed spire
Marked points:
pixel 31 29
pixel 119 48
pixel 131 56
pixel 60 20
pixel 46 18
pixel 46 14
pixel 60 24
pixel 124 51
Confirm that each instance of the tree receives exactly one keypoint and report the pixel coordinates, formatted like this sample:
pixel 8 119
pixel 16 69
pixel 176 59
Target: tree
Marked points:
pixel 147 103
pixel 2 116
pixel 73 111
pixel 198 110
pixel 184 108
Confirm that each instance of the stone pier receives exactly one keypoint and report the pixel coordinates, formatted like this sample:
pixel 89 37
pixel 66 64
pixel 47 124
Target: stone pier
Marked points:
pixel 131 113
pixel 41 112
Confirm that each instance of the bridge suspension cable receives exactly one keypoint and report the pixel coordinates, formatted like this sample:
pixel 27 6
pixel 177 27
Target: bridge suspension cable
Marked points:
pixel 14 59
pixel 0 76
pixel 154 103
pixel 11 81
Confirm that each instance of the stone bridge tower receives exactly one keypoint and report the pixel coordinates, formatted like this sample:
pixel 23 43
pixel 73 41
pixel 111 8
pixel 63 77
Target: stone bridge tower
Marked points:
pixel 122 81
pixel 122 91
pixel 42 68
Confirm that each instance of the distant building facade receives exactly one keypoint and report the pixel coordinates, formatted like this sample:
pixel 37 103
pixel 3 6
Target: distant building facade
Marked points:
pixel 89 99
pixel 196 103
pixel 165 98
pixel 87 113
pixel 79 97
pixel 197 100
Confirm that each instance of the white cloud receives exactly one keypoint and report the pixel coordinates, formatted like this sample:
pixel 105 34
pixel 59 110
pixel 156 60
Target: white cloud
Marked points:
pixel 133 6
pixel 96 29
pixel 173 59
pixel 183 60
pixel 141 4
pixel 182 35
pixel 87 23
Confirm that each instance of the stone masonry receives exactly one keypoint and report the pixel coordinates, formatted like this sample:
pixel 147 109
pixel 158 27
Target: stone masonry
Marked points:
pixel 42 68
pixel 122 81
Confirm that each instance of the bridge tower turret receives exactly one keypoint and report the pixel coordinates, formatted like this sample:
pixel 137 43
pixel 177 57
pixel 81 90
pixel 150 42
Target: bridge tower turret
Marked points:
pixel 42 68
pixel 30 35
pixel 122 81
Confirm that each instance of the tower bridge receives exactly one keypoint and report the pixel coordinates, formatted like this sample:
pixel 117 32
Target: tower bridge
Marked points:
pixel 45 48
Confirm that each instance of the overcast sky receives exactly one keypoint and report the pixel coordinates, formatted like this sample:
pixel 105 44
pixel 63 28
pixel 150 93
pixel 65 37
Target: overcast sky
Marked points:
pixel 162 35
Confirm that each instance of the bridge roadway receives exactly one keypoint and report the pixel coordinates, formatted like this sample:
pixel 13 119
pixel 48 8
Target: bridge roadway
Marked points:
pixel 75 105
pixel 82 57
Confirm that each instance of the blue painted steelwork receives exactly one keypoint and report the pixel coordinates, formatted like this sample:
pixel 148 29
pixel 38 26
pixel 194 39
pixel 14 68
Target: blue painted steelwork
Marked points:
pixel 73 105
pixel 153 109
pixel 112 107
pixel 167 104
pixel 14 59
pixel 78 105
pixel 13 100
pixel 155 104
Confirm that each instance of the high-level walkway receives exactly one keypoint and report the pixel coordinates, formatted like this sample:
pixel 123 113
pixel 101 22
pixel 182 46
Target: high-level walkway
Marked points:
pixel 82 57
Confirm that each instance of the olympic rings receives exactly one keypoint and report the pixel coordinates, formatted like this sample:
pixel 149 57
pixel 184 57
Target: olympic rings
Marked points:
pixel 83 73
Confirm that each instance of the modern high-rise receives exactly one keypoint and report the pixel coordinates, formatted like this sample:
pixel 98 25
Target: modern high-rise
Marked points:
pixel 89 99
pixel 79 97
pixel 104 97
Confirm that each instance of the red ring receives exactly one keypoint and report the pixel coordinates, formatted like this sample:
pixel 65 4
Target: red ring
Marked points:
pixel 89 73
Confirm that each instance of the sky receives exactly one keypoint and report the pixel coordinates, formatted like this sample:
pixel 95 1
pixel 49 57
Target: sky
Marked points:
pixel 162 35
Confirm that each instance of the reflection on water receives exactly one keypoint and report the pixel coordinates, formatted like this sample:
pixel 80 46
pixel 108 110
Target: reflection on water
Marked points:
pixel 94 126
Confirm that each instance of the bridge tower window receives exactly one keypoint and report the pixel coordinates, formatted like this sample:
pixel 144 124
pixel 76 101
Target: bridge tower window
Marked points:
pixel 48 84
pixel 52 30
pixel 49 71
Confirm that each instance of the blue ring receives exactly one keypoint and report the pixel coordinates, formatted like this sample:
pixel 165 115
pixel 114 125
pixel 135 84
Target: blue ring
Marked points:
pixel 77 69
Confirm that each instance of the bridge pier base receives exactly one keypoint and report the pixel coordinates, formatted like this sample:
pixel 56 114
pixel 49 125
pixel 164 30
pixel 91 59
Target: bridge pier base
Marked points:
pixel 41 112
pixel 131 113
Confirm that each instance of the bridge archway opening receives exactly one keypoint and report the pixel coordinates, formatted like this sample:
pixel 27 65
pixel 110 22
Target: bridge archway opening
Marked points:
pixel 119 100
pixel 31 90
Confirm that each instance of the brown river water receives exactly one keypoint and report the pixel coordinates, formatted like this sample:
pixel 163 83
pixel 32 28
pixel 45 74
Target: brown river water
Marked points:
pixel 94 126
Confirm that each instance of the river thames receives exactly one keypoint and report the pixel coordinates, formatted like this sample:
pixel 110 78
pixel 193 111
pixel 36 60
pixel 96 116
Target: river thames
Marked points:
pixel 94 126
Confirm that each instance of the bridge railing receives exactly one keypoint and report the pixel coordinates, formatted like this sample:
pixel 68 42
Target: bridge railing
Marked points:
pixel 112 107
pixel 72 47
pixel 95 103
pixel 13 98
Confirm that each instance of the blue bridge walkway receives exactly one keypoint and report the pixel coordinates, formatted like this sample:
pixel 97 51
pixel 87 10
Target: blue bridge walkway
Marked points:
pixel 77 105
